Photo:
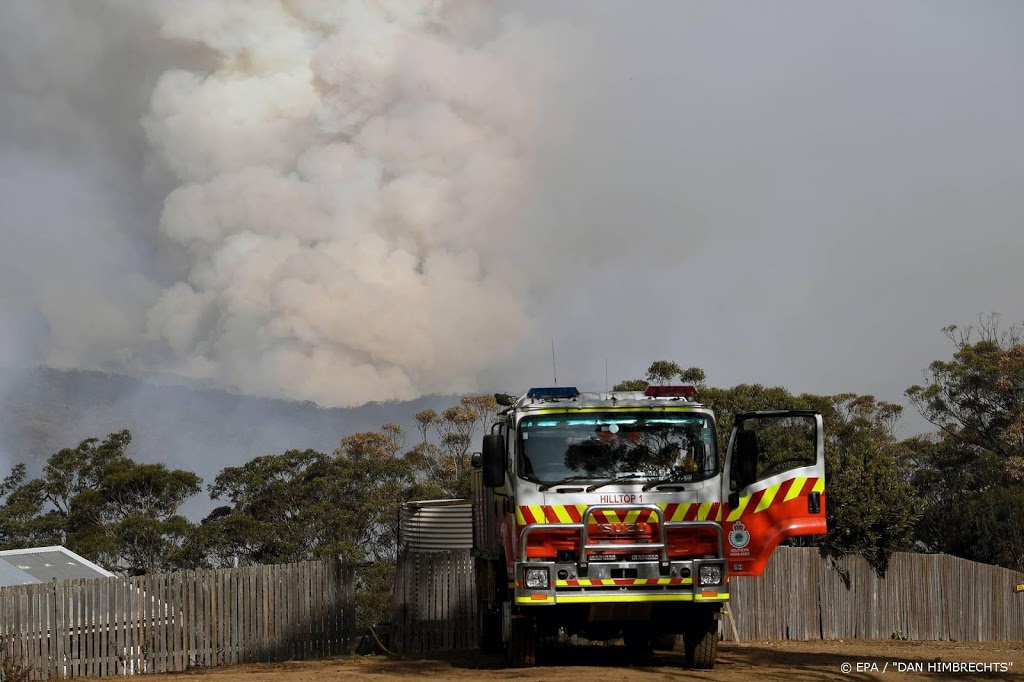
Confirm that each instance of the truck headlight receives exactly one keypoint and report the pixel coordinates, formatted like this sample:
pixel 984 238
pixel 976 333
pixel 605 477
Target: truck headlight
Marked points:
pixel 537 578
pixel 710 574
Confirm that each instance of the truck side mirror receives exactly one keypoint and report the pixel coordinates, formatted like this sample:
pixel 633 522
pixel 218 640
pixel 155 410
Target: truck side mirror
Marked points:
pixel 745 462
pixel 493 460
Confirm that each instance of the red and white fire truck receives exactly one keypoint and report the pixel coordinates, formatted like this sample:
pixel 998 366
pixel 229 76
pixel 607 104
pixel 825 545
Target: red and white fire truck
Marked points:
pixel 614 515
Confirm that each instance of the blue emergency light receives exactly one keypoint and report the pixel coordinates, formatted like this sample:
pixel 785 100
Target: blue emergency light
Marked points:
pixel 553 393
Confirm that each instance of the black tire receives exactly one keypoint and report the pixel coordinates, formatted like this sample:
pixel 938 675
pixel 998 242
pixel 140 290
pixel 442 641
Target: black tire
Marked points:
pixel 490 593
pixel 490 631
pixel 701 646
pixel 521 648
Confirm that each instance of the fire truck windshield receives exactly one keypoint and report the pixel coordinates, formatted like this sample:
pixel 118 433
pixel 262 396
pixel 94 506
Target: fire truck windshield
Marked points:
pixel 677 447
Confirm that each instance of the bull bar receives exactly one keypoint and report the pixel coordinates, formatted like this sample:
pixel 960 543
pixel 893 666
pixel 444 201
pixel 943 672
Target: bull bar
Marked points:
pixel 583 526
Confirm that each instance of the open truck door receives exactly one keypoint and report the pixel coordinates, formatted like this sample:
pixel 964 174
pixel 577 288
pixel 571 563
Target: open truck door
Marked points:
pixel 774 484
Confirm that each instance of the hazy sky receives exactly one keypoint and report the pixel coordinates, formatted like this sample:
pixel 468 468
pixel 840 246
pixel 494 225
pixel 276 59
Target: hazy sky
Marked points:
pixel 344 202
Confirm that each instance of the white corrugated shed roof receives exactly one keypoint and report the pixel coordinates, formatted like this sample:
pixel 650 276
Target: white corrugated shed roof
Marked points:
pixel 43 564
pixel 9 575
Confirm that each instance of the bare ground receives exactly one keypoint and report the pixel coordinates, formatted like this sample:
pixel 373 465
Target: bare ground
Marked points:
pixel 790 661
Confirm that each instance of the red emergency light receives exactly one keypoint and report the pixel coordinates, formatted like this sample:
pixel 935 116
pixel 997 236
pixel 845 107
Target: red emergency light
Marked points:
pixel 685 391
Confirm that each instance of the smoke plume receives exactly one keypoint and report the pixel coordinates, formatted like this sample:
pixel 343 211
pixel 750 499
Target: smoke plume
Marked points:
pixel 337 187
pixel 371 199
pixel 348 172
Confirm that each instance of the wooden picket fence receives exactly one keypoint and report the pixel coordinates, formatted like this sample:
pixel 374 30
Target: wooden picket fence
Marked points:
pixel 922 597
pixel 434 602
pixel 175 622
pixel 800 596
pixel 179 621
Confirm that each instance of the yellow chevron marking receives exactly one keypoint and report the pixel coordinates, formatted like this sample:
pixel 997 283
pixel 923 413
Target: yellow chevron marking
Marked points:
pixel 612 517
pixel 819 487
pixel 798 485
pixel 520 519
pixel 766 499
pixel 680 511
pixel 562 514
pixel 538 513
pixel 734 514
pixel 702 513
pixel 718 514
pixel 631 516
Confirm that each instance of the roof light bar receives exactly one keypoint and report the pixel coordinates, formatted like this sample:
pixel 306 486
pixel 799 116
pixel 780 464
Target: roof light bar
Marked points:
pixel 684 391
pixel 553 393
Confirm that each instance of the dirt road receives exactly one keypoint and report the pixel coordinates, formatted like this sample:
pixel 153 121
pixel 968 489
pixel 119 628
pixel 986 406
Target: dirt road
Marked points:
pixel 747 662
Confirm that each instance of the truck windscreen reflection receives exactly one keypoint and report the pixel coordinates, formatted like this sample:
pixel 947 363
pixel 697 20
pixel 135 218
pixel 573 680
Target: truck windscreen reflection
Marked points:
pixel 597 446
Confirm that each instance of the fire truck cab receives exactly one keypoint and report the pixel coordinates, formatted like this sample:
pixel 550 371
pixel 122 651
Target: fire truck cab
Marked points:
pixel 615 515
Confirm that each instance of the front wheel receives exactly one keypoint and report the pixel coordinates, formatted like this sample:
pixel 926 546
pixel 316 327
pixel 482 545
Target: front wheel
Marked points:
pixel 701 645
pixel 521 647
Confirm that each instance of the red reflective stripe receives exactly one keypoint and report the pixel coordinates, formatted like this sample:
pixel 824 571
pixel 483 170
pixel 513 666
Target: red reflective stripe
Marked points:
pixel 574 513
pixel 552 517
pixel 755 500
pixel 691 512
pixel 784 489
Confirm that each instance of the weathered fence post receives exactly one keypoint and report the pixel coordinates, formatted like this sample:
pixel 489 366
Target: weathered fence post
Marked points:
pixel 350 608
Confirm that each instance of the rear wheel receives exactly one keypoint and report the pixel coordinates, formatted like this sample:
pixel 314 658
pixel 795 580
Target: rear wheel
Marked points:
pixel 521 647
pixel 490 637
pixel 490 630
pixel 701 644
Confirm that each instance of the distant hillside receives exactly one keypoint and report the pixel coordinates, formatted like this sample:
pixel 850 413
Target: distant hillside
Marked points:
pixel 202 430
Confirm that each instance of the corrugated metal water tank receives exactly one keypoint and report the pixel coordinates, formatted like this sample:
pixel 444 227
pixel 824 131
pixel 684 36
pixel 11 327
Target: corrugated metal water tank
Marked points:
pixel 437 525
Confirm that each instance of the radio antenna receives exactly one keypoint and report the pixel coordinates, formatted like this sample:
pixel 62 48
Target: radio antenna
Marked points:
pixel 606 375
pixel 554 370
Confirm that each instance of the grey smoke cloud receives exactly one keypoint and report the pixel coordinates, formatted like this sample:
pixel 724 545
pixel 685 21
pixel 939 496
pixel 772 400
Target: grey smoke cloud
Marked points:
pixel 791 193
pixel 347 171
pixel 339 179
pixel 353 201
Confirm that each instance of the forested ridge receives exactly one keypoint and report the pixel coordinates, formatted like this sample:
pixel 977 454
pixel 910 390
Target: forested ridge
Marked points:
pixel 958 489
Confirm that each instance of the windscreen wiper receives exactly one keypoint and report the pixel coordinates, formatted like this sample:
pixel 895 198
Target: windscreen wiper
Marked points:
pixel 610 481
pixel 571 479
pixel 661 482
